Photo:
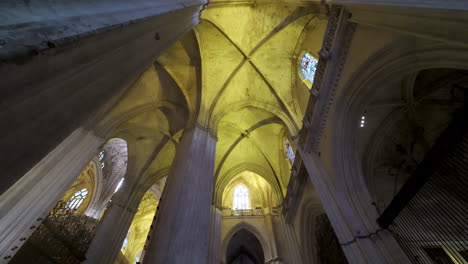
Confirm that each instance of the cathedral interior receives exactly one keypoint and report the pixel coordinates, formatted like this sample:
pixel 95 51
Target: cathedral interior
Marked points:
pixel 234 131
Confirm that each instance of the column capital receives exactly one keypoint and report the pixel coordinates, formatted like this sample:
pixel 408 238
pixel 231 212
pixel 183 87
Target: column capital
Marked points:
pixel 197 125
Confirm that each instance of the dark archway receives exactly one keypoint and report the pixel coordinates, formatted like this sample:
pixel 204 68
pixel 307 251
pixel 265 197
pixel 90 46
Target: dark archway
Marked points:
pixel 406 132
pixel 244 248
pixel 416 166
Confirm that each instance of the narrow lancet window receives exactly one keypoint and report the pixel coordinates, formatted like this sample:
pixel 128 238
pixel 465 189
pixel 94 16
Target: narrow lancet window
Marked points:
pixel 125 243
pixel 101 158
pixel 241 198
pixel 289 151
pixel 119 185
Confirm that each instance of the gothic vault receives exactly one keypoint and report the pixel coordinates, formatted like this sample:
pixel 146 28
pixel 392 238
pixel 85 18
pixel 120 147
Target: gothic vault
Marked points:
pixel 256 131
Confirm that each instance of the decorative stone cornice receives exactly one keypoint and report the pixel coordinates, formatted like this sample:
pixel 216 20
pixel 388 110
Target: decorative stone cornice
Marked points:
pixel 327 76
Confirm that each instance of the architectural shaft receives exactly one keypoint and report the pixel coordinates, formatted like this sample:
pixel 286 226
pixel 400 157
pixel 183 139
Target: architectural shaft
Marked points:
pixel 28 201
pixel 98 64
pixel 113 227
pixel 182 232
pixel 215 235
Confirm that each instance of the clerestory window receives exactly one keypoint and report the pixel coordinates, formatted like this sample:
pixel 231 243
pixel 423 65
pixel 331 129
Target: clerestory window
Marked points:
pixel 289 151
pixel 241 198
pixel 76 200
pixel 308 68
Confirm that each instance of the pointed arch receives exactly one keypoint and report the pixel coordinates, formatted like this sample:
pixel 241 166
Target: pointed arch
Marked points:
pixel 97 190
pixel 289 122
pixel 269 176
pixel 379 69
pixel 244 225
pixel 106 129
pixel 309 211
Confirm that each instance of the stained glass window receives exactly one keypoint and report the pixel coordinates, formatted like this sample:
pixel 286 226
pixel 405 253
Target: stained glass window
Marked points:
pixel 308 67
pixel 101 155
pixel 241 198
pixel 76 200
pixel 101 158
pixel 289 151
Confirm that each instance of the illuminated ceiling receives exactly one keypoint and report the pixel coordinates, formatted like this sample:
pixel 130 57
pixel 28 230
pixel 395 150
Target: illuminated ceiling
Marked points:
pixel 236 73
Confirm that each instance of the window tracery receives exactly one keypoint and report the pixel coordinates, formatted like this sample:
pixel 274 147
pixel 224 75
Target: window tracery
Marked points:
pixel 241 198
pixel 308 68
pixel 76 200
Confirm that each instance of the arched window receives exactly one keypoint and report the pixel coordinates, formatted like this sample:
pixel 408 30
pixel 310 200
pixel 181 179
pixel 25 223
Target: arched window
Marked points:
pixel 308 67
pixel 241 198
pixel 76 200
pixel 289 151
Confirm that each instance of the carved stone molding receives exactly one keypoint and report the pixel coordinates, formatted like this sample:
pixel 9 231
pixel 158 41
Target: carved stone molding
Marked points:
pixel 335 50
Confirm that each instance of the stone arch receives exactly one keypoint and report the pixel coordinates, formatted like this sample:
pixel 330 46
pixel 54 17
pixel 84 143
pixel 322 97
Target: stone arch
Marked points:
pixel 116 158
pixel 246 166
pixel 375 72
pixel 299 14
pixel 309 210
pixel 97 190
pixel 173 103
pixel 411 127
pixel 191 97
pixel 140 225
pixel 251 229
pixel 150 180
pixel 106 129
pixel 284 117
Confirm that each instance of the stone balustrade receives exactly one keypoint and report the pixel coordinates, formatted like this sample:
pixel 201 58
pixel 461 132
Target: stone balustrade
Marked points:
pixel 243 212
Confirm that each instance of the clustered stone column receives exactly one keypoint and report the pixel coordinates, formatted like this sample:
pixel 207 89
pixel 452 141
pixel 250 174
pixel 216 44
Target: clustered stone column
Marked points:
pixel 182 231
pixel 291 241
pixel 215 235
pixel 24 205
pixel 378 247
pixel 273 257
pixel 114 225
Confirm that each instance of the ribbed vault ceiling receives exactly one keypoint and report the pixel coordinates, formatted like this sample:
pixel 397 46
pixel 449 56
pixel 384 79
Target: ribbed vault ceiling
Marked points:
pixel 235 73
pixel 248 79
